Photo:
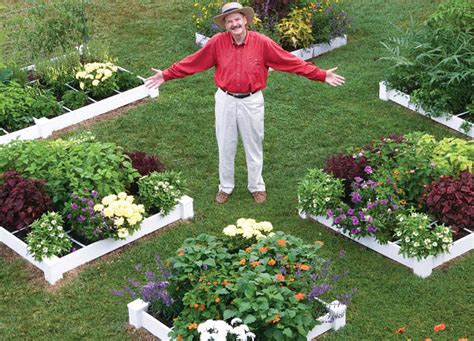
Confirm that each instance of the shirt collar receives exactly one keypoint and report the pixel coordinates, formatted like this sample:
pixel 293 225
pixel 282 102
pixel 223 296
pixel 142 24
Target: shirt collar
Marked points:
pixel 245 41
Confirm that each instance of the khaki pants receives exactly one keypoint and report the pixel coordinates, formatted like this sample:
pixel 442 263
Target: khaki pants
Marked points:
pixel 243 116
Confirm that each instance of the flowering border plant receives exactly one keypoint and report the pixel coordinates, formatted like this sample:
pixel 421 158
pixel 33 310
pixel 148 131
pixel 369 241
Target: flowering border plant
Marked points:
pixel 47 237
pixel 273 283
pixel 98 78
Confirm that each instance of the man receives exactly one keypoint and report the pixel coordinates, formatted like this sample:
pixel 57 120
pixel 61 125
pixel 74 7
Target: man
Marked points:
pixel 241 59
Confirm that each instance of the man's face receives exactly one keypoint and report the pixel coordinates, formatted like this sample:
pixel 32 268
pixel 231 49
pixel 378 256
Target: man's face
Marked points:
pixel 235 23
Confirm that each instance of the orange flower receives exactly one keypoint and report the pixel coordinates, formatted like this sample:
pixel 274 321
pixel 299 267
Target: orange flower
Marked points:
pixel 225 283
pixel 180 253
pixel 249 249
pixel 281 242
pixel 217 299
pixel 196 305
pixel 320 242
pixel 299 296
pixel 215 282
pixel 427 339
pixel 291 279
pixel 271 262
pixel 463 339
pixel 280 277
pixel 255 263
pixel 180 338
pixel 304 267
pixel 243 261
pixel 439 327
pixel 263 249
pixel 400 330
pixel 276 319
pixel 192 326
pixel 201 307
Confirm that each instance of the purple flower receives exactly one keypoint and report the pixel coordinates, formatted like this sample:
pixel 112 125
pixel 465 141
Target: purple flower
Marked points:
pixel 117 292
pixel 356 197
pixel 74 206
pixel 395 207
pixel 156 291
pixel 350 211
pixel 358 179
pixel 74 196
pixel 133 282
pixel 355 231
pixel 355 221
pixel 84 200
pixel 371 229
pixel 81 218
pixel 94 193
pixel 343 216
pixel 90 203
pixel 69 216
pixel 337 220
pixel 330 213
pixel 318 290
pixel 383 201
pixel 368 170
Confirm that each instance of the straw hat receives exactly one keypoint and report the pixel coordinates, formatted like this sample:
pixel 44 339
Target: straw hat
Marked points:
pixel 233 7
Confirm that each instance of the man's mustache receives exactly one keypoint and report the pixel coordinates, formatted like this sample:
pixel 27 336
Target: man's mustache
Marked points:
pixel 236 26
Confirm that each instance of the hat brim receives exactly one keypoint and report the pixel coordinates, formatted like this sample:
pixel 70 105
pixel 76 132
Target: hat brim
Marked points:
pixel 248 12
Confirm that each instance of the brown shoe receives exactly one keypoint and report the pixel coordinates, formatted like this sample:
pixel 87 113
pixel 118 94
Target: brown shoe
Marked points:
pixel 222 197
pixel 259 197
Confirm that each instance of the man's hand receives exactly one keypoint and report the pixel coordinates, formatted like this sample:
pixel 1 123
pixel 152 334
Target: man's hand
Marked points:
pixel 156 80
pixel 334 79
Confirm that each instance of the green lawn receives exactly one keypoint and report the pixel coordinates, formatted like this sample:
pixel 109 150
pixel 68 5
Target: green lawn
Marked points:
pixel 305 123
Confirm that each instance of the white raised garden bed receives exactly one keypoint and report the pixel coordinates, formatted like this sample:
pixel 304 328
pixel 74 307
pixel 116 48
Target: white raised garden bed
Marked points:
pixel 422 268
pixel 44 127
pixel 55 267
pixel 139 318
pixel 305 54
pixel 451 121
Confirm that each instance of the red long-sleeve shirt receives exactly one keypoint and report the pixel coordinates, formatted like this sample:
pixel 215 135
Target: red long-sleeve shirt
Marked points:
pixel 242 68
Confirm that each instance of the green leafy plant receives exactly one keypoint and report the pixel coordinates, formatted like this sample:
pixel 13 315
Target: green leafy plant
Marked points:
pixel 433 62
pixel 453 155
pixel 160 192
pixel 420 237
pixel 319 191
pixel 15 104
pixel 70 166
pixel 295 30
pixel 74 99
pixel 127 80
pixel 47 237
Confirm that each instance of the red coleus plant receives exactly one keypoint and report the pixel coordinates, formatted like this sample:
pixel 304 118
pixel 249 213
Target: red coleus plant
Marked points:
pixel 346 167
pixel 145 163
pixel 451 200
pixel 22 201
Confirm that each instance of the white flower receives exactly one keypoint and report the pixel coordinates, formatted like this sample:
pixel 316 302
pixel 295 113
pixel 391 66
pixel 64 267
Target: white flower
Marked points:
pixel 435 244
pixel 327 199
pixel 416 244
pixel 230 230
pixel 427 241
pixel 82 85
pixel 235 320
pixel 119 222
pixel 122 195
pixel 95 82
pixel 122 233
pixel 98 207
pixel 53 222
pixel 399 233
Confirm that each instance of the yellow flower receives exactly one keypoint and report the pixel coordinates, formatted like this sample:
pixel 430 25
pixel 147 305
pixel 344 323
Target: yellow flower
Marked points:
pixel 122 233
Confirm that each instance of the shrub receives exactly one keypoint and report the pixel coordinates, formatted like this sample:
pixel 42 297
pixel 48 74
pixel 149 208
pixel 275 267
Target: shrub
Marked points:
pixel 145 163
pixel 22 201
pixel 47 237
pixel 74 99
pixel 160 192
pixel 127 80
pixel 452 155
pixel 419 237
pixel 319 191
pixel 347 168
pixel 273 285
pixel 295 30
pixel 15 104
pixel 451 200
pixel 70 166
pixel 54 74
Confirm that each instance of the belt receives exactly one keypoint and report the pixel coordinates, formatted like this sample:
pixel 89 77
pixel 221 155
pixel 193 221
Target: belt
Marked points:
pixel 240 96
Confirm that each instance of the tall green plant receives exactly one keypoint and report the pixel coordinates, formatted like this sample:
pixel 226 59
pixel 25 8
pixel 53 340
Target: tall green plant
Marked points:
pixel 52 26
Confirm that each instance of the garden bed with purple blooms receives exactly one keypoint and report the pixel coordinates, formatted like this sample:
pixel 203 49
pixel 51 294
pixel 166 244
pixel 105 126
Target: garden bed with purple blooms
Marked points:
pixel 408 197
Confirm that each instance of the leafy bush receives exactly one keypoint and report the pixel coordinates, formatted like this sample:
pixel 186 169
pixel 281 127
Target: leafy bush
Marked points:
pixel 127 80
pixel 347 168
pixel 420 237
pixel 319 192
pixel 453 155
pixel 433 62
pixel 44 104
pixel 22 201
pixel 70 166
pixel 74 99
pixel 145 163
pixel 451 200
pixel 160 192
pixel 47 237
pixel 295 30
pixel 54 74
pixel 15 104
pixel 273 285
